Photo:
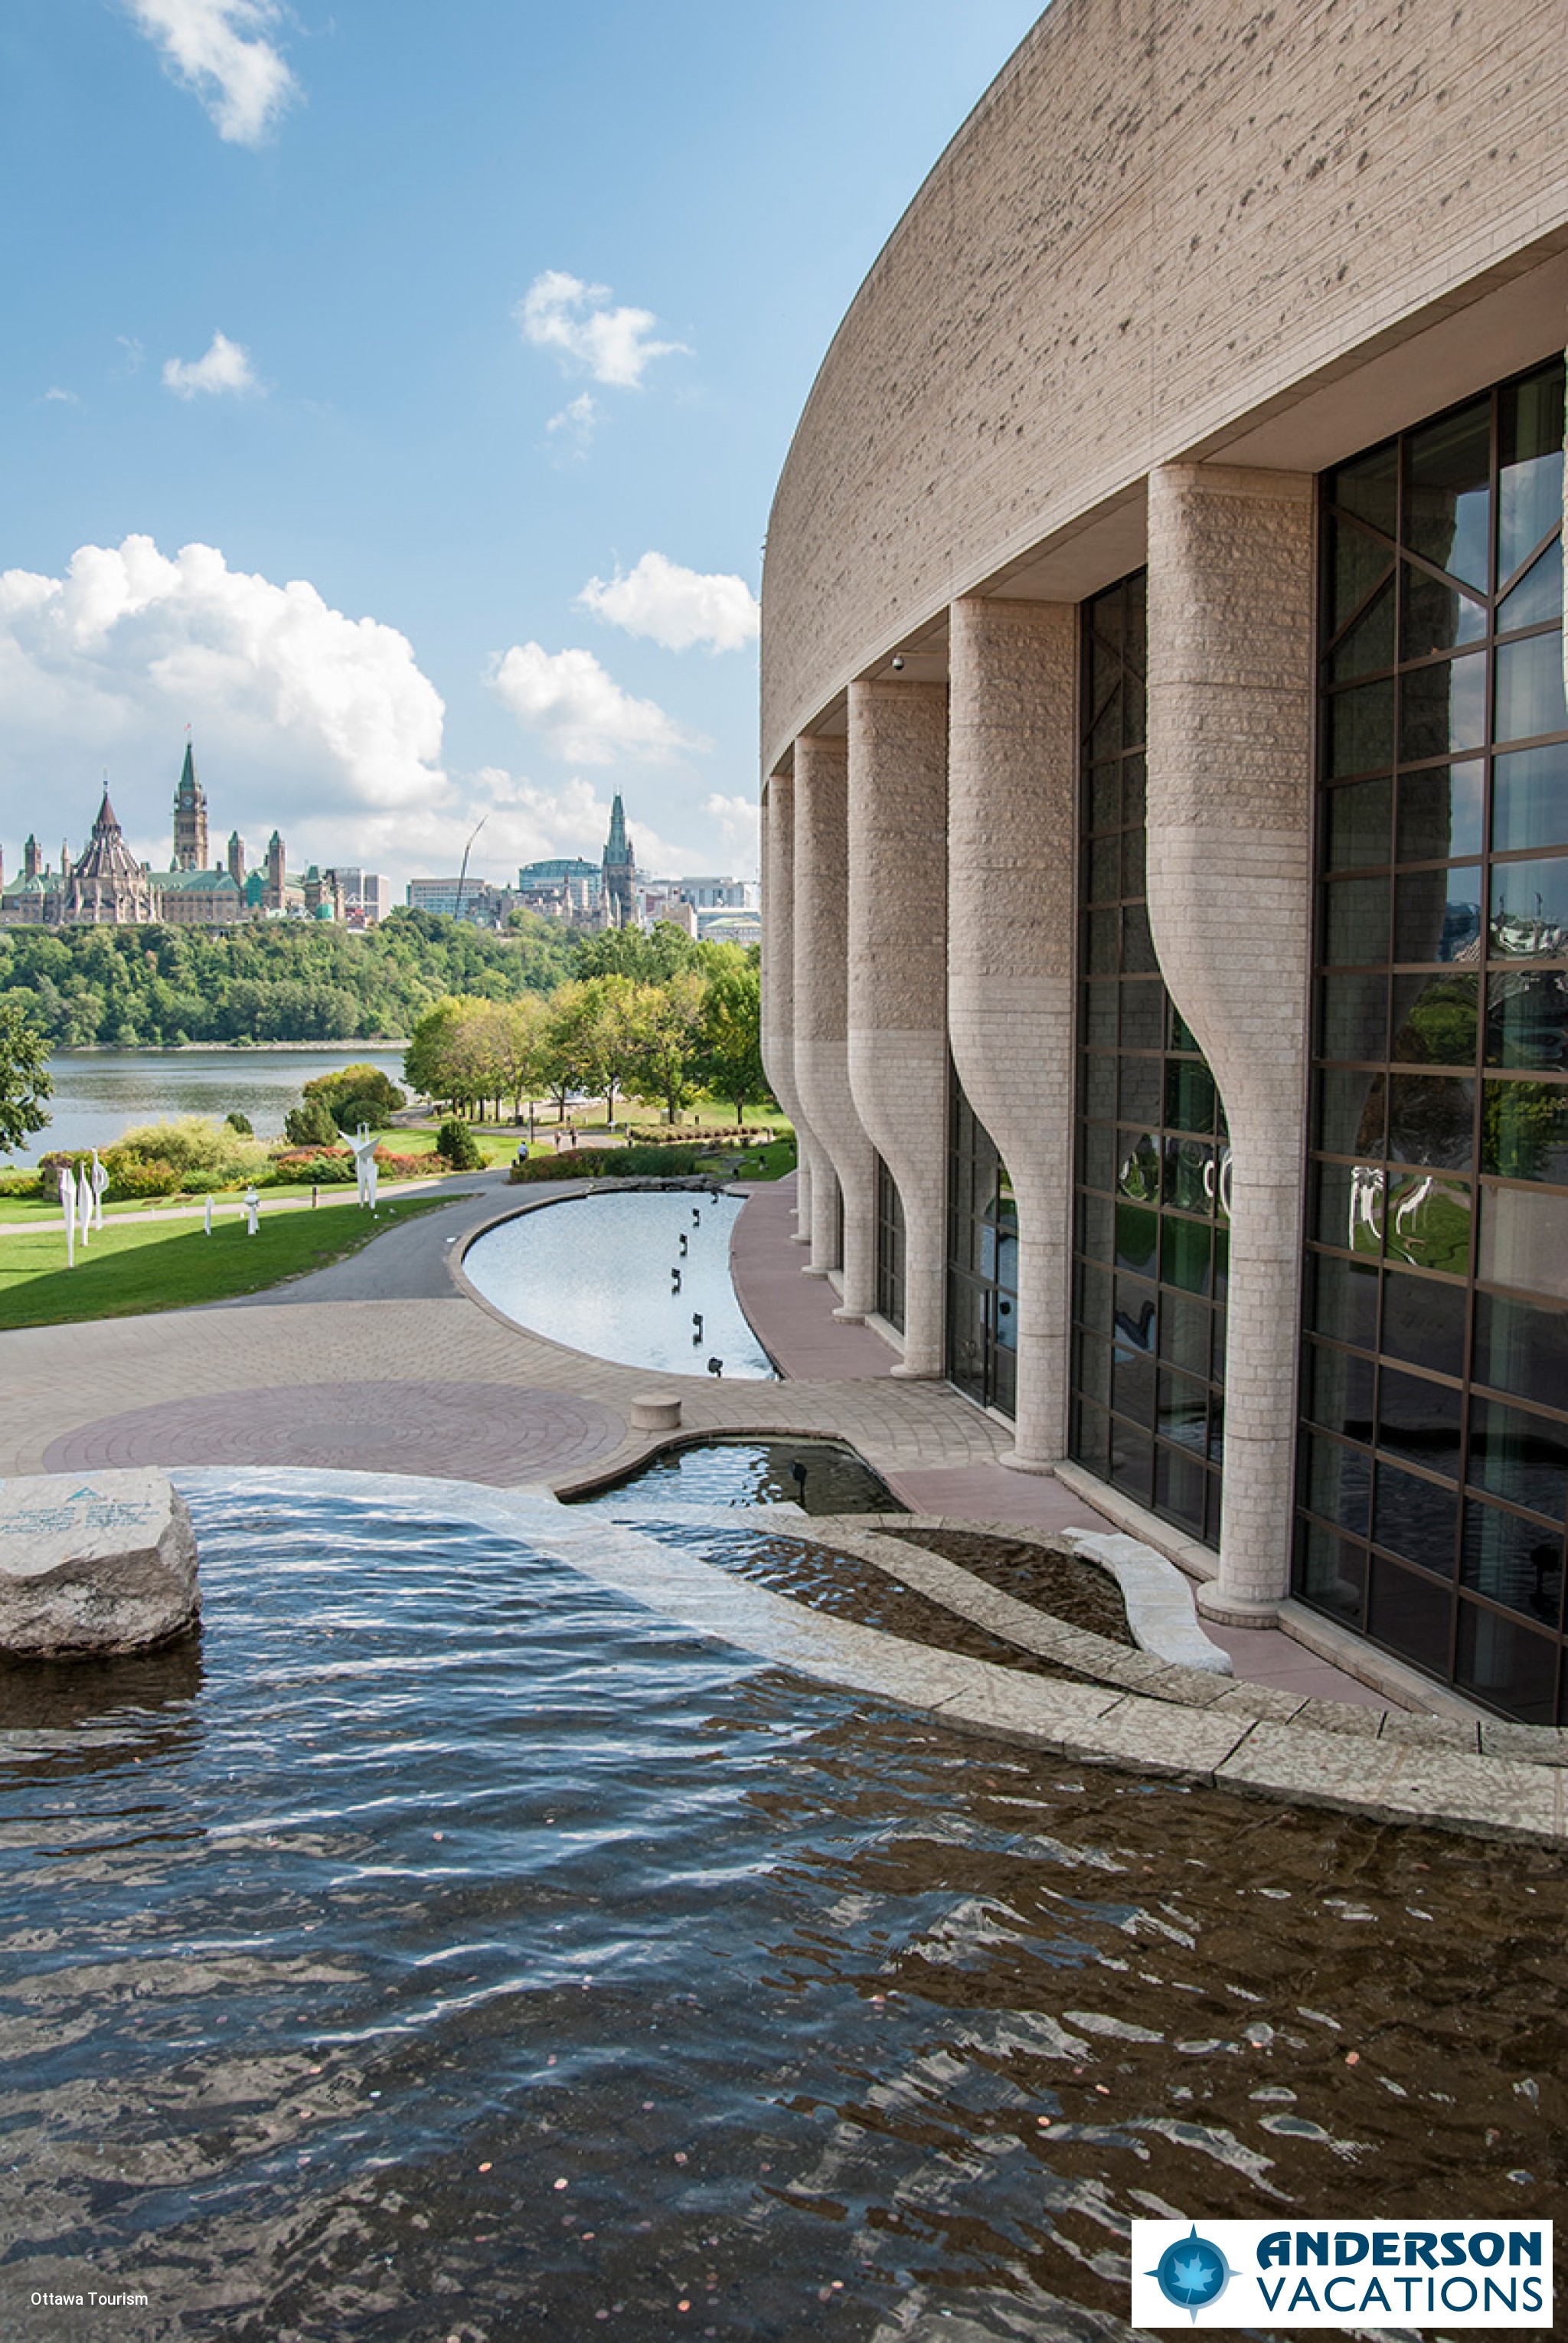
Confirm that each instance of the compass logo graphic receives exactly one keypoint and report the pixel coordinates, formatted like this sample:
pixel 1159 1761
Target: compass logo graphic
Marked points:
pixel 1191 2274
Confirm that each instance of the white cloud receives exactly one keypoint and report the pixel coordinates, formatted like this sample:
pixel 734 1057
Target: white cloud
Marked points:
pixel 307 713
pixel 615 345
pixel 575 425
pixel 227 366
pixel 61 398
pixel 219 49
pixel 524 822
pixel 736 820
pixel 676 608
pixel 581 713
pixel 132 362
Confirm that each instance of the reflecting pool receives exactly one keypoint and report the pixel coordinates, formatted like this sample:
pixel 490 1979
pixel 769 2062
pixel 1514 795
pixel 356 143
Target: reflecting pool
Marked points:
pixel 821 1475
pixel 450 1946
pixel 642 1278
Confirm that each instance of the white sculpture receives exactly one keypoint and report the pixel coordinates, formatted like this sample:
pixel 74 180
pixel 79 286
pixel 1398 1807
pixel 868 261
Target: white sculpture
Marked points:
pixel 85 1201
pixel 100 1181
pixel 363 1146
pixel 252 1212
pixel 68 1206
pixel 206 1218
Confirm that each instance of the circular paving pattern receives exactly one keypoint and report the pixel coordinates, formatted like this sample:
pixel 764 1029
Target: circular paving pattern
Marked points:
pixel 496 1432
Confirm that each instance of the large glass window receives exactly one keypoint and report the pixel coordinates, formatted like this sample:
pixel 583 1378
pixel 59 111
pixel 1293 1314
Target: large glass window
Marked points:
pixel 889 1248
pixel 1152 1220
pixel 982 1260
pixel 1435 1449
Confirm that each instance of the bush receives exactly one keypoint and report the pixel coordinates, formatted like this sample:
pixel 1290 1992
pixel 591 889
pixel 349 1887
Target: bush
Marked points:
pixel 141 1175
pixel 461 1149
pixel 348 1113
pixel 192 1144
pixel 610 1164
pixel 310 1125
pixel 572 1163
pixel 746 1135
pixel 235 1121
pixel 325 1165
pixel 643 1162
pixel 22 1182
pixel 373 1094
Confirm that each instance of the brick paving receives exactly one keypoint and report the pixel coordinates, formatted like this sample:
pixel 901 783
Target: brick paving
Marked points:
pixel 384 1363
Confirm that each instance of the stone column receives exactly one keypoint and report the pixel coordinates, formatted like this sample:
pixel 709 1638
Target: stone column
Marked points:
pixel 778 853
pixel 1013 795
pixel 898 866
pixel 1230 604
pixel 821 1025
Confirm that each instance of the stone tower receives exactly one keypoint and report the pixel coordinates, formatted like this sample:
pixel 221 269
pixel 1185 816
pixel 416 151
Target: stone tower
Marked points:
pixel 32 860
pixel 236 860
pixel 277 873
pixel 108 887
pixel 190 819
pixel 619 872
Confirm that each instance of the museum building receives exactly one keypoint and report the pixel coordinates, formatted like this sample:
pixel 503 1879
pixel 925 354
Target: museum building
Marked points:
pixel 1165 805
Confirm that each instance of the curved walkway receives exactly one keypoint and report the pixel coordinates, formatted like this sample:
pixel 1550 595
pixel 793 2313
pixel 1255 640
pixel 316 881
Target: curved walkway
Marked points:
pixel 382 1361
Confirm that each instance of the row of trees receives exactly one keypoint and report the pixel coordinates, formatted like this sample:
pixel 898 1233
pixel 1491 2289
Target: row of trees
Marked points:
pixel 607 1034
pixel 160 987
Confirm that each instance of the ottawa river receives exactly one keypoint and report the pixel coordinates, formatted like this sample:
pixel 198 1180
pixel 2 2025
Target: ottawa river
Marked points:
pixel 100 1093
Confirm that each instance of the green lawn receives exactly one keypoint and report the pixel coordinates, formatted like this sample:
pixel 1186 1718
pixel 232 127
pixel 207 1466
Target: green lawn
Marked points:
pixel 130 1269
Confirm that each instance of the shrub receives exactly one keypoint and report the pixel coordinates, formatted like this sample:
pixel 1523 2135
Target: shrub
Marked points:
pixel 310 1125
pixel 240 1122
pixel 21 1183
pixel 322 1164
pixel 192 1144
pixel 372 1093
pixel 572 1163
pixel 348 1113
pixel 457 1143
pixel 610 1164
pixel 141 1175
pixel 644 1162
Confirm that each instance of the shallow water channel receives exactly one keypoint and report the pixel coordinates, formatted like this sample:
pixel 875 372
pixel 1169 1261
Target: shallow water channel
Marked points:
pixel 607 1275
pixel 450 1946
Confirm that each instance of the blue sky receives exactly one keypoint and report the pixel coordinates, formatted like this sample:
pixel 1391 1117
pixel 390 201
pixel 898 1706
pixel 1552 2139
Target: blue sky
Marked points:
pixel 348 345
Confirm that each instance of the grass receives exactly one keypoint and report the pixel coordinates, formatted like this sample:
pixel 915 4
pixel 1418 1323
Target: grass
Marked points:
pixel 129 1270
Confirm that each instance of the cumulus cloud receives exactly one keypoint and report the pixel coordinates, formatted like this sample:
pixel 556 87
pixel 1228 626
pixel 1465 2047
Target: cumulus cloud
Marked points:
pixel 317 713
pixel 581 713
pixel 219 50
pixel 615 345
pixel 737 819
pixel 56 396
pixel 677 608
pixel 225 367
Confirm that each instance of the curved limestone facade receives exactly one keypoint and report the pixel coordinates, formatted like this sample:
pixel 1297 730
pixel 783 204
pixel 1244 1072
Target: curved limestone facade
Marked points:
pixel 1165 779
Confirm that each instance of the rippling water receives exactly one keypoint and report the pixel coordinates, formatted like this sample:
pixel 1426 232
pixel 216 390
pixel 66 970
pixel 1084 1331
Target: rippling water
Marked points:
pixel 759 1472
pixel 450 1948
pixel 99 1094
pixel 599 1272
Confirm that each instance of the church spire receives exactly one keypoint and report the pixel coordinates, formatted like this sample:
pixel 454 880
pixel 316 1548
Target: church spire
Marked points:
pixel 619 870
pixel 190 817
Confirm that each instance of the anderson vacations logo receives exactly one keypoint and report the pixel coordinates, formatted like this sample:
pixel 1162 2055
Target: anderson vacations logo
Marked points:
pixel 1405 2274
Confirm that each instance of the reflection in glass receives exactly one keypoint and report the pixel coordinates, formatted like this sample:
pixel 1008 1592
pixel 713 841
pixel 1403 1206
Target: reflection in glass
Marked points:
pixel 1448 493
pixel 1434 1020
pixel 1432 1120
pixel 1429 1221
pixel 1440 813
pixel 1187 1256
pixel 1137 1239
pixel 1527 1019
pixel 1522 1348
pixel 1358 825
pixel 1411 1614
pixel 1337 1483
pixel 1139 1172
pixel 1339 1391
pixel 1142 1016
pixel 1436 617
pixel 1523 1458
pixel 1530 467
pixel 1367 647
pixel 1529 916
pixel 1524 1131
pixel 1420 1420
pixel 1356 922
pixel 1530 691
pixel 1423 1323
pixel 1437 914
pixel 1352 1012
pixel 1138 1089
pixel 1504 1664
pixel 1514 1562
pixel 1538 596
pixel 1441 708
pixel 1530 799
pixel 1343 1301
pixel 1361 728
pixel 1352 1113
pixel 1524 1241
pixel 1333 1572
pixel 1414 1518
pixel 1192 1174
pixel 1357 564
pixel 1368 488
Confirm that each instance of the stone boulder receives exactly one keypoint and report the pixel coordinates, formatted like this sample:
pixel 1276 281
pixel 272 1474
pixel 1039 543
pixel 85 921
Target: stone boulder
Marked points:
pixel 93 1564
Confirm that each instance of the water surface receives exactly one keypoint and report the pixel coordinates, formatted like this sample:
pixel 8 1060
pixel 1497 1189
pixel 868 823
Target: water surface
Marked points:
pixel 101 1094
pixel 450 1948
pixel 606 1274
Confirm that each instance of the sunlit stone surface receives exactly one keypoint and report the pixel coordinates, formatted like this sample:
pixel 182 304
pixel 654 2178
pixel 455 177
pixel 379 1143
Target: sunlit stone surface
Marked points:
pixel 92 1566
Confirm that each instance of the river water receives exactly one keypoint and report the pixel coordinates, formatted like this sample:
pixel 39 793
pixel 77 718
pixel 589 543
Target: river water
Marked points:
pixel 447 1948
pixel 99 1094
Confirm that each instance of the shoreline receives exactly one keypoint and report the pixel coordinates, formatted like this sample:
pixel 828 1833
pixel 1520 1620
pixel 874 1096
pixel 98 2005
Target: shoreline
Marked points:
pixel 224 1048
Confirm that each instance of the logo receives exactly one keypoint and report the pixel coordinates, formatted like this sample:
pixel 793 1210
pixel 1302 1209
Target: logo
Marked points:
pixel 1191 2273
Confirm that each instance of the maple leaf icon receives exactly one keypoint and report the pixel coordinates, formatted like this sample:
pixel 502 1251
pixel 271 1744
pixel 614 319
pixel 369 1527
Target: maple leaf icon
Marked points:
pixel 1194 2277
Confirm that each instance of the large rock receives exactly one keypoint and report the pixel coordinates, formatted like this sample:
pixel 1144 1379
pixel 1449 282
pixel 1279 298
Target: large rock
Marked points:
pixel 93 1562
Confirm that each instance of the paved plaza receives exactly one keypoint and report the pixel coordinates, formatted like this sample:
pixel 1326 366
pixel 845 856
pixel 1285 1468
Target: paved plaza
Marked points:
pixel 386 1363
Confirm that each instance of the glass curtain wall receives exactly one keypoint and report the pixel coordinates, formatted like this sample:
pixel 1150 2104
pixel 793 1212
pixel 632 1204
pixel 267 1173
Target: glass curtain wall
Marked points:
pixel 889 1248
pixel 1434 1453
pixel 982 1260
pixel 1152 1231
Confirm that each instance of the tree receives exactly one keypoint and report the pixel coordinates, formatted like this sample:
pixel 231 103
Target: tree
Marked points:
pixel 25 1080
pixel 566 1045
pixel 615 1013
pixel 646 959
pixel 358 1086
pixel 310 1125
pixel 671 1028
pixel 730 1051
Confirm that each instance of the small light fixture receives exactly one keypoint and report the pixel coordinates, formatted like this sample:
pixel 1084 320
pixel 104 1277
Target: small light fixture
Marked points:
pixel 898 662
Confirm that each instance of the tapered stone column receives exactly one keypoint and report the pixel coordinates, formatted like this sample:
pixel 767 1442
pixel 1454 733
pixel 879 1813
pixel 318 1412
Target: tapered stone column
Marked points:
pixel 821 1024
pixel 1230 602
pixel 1012 788
pixel 897 866
pixel 777 854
